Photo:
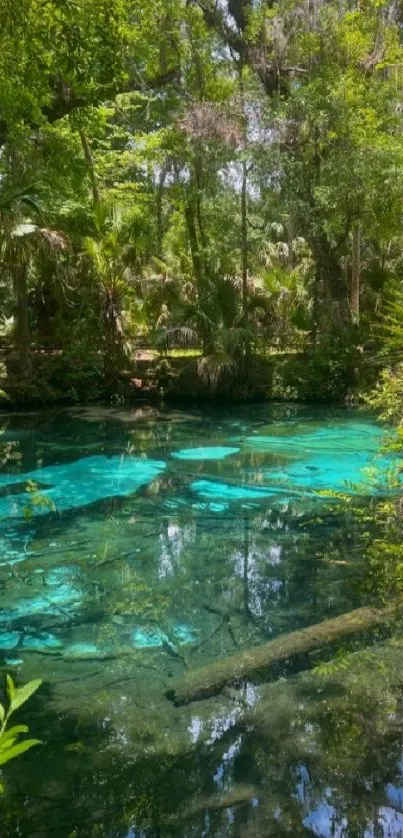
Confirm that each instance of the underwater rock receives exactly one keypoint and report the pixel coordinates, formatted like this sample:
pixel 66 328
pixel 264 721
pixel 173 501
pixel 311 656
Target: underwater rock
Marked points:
pixel 335 458
pixel 14 543
pixel 34 643
pixel 60 596
pixel 350 437
pixel 9 639
pixel 61 574
pixel 337 472
pixel 63 600
pixel 80 483
pixel 41 642
pixel 153 638
pixel 218 507
pixel 211 507
pixel 184 635
pixel 216 452
pixel 83 649
pixel 214 489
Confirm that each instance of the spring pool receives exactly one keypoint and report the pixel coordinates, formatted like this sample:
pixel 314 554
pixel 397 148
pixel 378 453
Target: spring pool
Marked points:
pixel 138 544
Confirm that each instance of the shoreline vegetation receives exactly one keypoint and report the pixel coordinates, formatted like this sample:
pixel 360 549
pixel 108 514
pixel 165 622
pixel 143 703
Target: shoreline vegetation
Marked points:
pixel 277 376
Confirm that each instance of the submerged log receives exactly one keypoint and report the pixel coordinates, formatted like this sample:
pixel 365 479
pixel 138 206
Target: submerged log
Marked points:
pixel 241 795
pixel 209 680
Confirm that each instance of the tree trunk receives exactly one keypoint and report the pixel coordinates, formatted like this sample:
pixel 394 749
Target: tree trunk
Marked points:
pixel 355 273
pixel 244 237
pixel 244 219
pixel 160 218
pixel 198 268
pixel 114 352
pixel 209 680
pixel 96 197
pixel 329 286
pixel 23 328
pixel 198 167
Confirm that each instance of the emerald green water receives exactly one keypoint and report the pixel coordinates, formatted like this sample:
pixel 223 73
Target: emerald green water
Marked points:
pixel 138 544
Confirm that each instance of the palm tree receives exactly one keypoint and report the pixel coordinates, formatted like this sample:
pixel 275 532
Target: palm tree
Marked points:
pixel 113 255
pixel 21 242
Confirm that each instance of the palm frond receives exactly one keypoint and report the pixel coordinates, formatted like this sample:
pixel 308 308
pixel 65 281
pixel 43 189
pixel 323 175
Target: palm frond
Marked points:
pixel 93 249
pixel 213 369
pixel 55 239
pixel 26 195
pixel 236 339
pixel 183 336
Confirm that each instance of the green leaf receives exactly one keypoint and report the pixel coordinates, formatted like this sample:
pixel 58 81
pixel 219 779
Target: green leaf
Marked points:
pixel 12 733
pixel 16 750
pixel 5 747
pixel 2 713
pixel 10 687
pixel 22 695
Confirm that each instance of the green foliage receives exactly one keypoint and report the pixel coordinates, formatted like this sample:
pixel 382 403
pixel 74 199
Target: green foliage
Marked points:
pixel 158 180
pixel 337 664
pixel 386 397
pixel 11 745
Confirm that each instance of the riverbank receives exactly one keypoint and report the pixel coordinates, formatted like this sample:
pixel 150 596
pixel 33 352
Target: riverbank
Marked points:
pixel 312 376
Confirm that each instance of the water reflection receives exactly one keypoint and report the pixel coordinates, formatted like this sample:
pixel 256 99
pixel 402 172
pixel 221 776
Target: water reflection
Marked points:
pixel 109 598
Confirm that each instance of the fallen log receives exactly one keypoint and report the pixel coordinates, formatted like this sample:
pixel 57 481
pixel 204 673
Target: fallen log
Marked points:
pixel 209 680
pixel 242 795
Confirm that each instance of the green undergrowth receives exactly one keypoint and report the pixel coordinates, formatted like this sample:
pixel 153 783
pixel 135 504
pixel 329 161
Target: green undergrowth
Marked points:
pixel 323 374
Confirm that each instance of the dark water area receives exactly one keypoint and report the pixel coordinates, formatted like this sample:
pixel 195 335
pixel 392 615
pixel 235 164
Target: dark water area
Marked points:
pixel 139 544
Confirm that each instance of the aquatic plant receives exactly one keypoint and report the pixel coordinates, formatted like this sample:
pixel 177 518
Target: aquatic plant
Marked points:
pixel 11 745
pixel 37 501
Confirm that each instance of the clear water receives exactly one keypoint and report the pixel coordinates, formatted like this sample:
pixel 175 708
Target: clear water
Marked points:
pixel 137 544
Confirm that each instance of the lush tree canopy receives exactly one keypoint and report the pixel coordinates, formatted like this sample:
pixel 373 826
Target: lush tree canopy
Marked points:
pixel 221 176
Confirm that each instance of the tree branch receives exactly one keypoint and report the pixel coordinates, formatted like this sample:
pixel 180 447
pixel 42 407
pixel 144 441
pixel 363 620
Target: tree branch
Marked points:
pixel 273 76
pixel 65 100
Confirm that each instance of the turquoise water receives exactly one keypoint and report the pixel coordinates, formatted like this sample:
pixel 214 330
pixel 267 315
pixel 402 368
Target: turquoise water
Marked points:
pixel 138 544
